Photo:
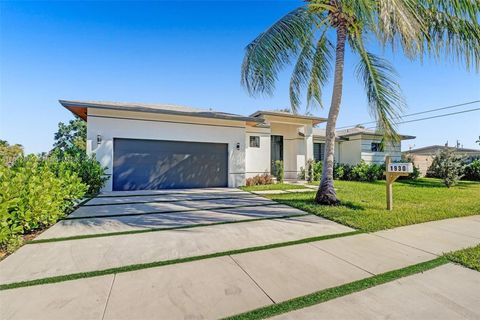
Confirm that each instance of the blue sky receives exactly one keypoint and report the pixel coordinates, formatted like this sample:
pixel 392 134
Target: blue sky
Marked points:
pixel 186 53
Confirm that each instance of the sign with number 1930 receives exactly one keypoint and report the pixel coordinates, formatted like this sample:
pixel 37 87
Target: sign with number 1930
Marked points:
pixel 400 167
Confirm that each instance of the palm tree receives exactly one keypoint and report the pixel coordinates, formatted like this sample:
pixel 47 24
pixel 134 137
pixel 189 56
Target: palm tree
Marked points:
pixel 317 34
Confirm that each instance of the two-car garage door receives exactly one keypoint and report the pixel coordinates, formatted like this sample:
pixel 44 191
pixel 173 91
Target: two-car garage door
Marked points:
pixel 161 164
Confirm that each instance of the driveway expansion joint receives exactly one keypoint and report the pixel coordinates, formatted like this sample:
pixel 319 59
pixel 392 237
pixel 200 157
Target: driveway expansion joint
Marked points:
pixel 251 278
pixel 169 201
pixel 191 226
pixel 108 297
pixel 344 260
pixel 376 235
pixel 168 212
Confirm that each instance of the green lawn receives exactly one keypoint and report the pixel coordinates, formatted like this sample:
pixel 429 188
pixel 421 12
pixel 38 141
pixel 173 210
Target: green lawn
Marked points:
pixel 277 186
pixel 470 257
pixel 363 203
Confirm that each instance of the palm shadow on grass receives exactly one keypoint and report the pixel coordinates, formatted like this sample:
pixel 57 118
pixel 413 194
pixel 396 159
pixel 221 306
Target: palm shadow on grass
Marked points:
pixel 306 204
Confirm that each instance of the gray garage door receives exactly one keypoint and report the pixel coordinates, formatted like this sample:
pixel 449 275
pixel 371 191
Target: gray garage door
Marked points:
pixel 159 164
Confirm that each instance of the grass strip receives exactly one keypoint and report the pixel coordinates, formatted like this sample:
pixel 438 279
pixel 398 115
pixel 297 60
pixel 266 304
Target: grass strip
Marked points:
pixel 336 292
pixel 120 233
pixel 134 267
pixel 175 200
pixel 172 211
pixel 152 194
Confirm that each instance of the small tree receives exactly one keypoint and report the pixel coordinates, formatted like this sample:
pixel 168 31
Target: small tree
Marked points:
pixel 448 166
pixel 71 136
pixel 279 173
pixel 478 141
pixel 9 153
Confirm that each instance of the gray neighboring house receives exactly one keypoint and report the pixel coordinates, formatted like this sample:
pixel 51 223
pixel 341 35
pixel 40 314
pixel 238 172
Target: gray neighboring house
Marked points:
pixel 423 157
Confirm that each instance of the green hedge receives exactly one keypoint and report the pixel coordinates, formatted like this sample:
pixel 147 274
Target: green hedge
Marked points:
pixel 34 193
pixel 472 171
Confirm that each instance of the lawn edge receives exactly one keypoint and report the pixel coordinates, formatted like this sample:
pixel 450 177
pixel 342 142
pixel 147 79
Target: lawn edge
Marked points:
pixel 339 291
pixel 190 226
pixel 134 267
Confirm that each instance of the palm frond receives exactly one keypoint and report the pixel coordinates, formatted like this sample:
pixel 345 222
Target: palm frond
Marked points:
pixel 399 21
pixel 385 99
pixel 273 49
pixel 301 75
pixel 320 71
pixel 454 37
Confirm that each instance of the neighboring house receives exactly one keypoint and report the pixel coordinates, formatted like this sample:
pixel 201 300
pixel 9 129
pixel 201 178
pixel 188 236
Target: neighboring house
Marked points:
pixel 357 144
pixel 157 146
pixel 423 157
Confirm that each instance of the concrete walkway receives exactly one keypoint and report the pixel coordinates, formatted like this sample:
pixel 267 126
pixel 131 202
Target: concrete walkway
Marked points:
pixel 447 292
pixel 223 286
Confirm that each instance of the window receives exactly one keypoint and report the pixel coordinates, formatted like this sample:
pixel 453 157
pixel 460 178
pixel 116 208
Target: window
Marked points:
pixel 377 147
pixel 318 151
pixel 254 141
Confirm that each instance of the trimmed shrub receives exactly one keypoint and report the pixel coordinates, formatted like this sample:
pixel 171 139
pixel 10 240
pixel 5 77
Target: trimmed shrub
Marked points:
pixel 472 171
pixel 279 171
pixel 303 174
pixel 359 172
pixel 88 169
pixel 259 180
pixel 34 193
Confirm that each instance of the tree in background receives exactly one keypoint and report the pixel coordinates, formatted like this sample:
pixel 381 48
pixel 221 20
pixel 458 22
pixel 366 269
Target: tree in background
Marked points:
pixel 9 153
pixel 478 141
pixel 417 28
pixel 71 136
pixel 447 165
pixel 69 150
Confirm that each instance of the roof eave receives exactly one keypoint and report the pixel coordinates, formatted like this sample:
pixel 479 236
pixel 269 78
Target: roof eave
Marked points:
pixel 72 105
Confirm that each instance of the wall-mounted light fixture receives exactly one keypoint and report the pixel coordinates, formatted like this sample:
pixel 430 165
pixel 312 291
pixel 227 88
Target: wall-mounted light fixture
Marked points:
pixel 99 139
pixel 238 146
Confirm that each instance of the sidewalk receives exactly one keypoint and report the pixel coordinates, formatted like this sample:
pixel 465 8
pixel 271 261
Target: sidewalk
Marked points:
pixel 223 286
pixel 447 292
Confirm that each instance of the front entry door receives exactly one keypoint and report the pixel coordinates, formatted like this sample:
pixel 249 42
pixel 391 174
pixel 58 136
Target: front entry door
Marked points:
pixel 276 152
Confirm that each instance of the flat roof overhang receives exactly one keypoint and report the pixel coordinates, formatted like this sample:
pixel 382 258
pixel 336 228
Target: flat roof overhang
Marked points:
pixel 279 115
pixel 80 109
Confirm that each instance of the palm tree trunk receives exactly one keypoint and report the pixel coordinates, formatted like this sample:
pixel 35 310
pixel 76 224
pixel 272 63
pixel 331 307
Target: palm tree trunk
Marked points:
pixel 326 193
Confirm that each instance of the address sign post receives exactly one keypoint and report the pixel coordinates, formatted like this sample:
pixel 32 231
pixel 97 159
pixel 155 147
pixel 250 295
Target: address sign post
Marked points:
pixel 394 170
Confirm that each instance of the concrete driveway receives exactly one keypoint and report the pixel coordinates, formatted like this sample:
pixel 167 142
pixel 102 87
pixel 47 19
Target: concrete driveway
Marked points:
pixel 119 229
pixel 125 268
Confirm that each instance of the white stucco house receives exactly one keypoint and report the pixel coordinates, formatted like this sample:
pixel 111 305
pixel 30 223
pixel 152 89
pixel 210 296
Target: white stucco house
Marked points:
pixel 158 146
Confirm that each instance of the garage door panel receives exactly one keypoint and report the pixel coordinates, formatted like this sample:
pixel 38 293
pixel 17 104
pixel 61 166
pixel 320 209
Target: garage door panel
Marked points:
pixel 154 164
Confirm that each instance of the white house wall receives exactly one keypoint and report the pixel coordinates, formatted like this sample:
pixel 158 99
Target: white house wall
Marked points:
pixel 350 152
pixel 105 124
pixel 257 159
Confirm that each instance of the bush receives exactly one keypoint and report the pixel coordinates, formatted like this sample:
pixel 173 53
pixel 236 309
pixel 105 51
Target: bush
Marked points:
pixel 446 165
pixel 259 180
pixel 279 171
pixel 303 174
pixel 472 171
pixel 359 172
pixel 34 193
pixel 416 172
pixel 87 168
